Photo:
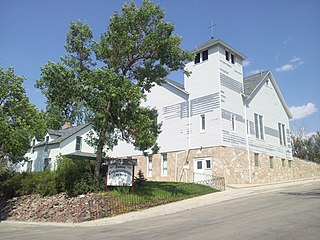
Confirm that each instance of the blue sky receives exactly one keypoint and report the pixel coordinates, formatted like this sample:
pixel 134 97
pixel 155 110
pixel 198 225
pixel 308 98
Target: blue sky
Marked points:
pixel 278 35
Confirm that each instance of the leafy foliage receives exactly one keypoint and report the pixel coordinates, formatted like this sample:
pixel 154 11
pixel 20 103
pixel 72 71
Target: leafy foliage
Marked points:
pixel 72 177
pixel 140 45
pixel 19 119
pixel 10 182
pixel 307 147
pixel 136 52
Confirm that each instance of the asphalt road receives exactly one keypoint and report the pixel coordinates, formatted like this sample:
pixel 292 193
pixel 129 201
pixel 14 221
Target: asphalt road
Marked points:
pixel 291 213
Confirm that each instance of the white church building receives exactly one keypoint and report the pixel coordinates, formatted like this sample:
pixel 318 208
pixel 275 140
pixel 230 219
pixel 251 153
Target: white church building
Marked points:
pixel 218 123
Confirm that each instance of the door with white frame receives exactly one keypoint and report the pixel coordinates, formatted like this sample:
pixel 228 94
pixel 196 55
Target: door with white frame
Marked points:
pixel 202 170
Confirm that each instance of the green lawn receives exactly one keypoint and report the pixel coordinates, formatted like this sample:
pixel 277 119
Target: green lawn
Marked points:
pixel 148 194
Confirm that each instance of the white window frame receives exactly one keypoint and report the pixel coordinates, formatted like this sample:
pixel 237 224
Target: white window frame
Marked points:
pixel 164 164
pixel 259 126
pixel 80 143
pixel 230 57
pixel 233 122
pixel 202 55
pixel 282 134
pixel 206 164
pixel 149 166
pixel 202 123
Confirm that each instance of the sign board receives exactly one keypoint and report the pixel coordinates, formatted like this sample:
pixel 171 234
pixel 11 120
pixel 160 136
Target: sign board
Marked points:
pixel 120 175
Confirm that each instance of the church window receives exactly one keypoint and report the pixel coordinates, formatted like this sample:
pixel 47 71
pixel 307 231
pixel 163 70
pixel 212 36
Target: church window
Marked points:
pixel 202 122
pixel 227 55
pixel 233 122
pixel 282 134
pixel 149 166
pixel 259 128
pixel 164 164
pixel 205 55
pixel 208 164
pixel 197 59
pixel 232 58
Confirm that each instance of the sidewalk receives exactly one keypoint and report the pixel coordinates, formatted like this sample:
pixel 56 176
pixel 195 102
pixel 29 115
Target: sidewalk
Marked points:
pixel 233 191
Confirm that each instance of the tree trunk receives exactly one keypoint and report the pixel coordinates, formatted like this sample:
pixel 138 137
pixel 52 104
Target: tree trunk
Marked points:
pixel 98 160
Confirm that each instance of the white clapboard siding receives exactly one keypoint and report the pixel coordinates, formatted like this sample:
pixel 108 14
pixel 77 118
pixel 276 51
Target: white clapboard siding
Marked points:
pixel 266 102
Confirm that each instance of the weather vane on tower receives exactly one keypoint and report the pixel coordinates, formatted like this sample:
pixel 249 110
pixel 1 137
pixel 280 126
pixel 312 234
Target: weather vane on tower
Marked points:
pixel 212 26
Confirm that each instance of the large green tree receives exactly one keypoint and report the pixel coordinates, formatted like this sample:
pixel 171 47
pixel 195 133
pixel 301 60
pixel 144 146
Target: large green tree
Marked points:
pixel 19 119
pixel 136 52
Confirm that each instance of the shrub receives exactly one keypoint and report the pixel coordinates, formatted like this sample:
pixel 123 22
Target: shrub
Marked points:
pixel 43 183
pixel 140 178
pixel 75 177
pixel 46 183
pixel 10 183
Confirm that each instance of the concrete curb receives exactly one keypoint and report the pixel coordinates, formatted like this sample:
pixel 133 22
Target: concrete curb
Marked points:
pixel 184 205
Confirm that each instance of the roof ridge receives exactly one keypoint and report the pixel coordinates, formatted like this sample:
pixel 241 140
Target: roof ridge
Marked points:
pixel 259 73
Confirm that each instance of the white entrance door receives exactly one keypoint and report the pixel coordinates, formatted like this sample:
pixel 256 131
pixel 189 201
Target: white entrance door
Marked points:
pixel 202 170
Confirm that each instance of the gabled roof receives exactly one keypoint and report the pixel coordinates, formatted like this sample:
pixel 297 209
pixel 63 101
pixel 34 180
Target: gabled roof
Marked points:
pixel 214 42
pixel 176 85
pixel 253 83
pixel 62 134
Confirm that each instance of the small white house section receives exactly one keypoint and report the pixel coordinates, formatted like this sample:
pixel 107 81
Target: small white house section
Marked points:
pixel 67 142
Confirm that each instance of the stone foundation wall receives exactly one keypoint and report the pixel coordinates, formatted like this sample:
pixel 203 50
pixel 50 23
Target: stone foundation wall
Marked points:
pixel 232 163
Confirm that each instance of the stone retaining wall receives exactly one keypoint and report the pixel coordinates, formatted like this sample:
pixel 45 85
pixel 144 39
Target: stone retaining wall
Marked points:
pixel 236 165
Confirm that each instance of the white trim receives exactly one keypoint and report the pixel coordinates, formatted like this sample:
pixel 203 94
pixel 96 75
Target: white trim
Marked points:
pixel 164 165
pixel 149 166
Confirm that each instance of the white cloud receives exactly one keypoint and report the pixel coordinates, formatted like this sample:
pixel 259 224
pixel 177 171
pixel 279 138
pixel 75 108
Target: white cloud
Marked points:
pixel 295 59
pixel 294 62
pixel 299 112
pixel 285 68
pixel 246 63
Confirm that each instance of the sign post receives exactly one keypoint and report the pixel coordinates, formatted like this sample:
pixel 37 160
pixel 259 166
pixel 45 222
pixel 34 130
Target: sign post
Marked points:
pixel 120 172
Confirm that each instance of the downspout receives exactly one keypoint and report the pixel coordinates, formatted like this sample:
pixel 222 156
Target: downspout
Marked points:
pixel 247 141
